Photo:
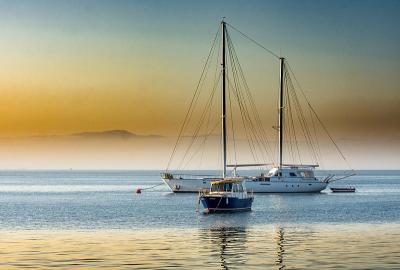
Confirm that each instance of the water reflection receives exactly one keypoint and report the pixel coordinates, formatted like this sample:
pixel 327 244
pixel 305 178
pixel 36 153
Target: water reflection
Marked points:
pixel 280 250
pixel 221 247
pixel 228 243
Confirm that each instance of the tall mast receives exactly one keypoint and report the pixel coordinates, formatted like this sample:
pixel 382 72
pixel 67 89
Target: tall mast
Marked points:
pixel 281 107
pixel 223 102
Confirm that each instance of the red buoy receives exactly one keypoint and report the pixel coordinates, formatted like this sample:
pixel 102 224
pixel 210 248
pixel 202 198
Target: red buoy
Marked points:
pixel 138 190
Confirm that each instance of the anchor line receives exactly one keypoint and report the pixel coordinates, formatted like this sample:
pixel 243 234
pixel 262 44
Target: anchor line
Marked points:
pixel 153 186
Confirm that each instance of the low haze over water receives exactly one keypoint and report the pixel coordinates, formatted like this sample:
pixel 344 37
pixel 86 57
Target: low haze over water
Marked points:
pixel 92 219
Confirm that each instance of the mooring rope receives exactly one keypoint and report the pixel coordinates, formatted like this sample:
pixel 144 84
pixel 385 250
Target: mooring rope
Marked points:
pixel 152 186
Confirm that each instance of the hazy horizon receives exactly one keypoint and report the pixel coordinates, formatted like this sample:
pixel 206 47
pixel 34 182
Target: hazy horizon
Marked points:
pixel 133 152
pixel 70 67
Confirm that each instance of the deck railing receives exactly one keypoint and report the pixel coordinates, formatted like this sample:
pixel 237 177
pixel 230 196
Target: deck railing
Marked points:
pixel 189 176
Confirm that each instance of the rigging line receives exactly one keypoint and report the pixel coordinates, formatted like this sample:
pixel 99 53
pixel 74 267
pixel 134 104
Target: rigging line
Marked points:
pixel 192 101
pixel 287 134
pixel 243 116
pixel 276 127
pixel 233 130
pixel 319 120
pixel 204 139
pixel 217 64
pixel 202 82
pixel 302 119
pixel 210 110
pixel 316 136
pixel 261 130
pixel 313 139
pixel 258 133
pixel 286 124
pixel 200 123
pixel 316 140
pixel 289 106
pixel 289 93
pixel 202 117
pixel 255 42
pixel 290 124
pixel 243 109
pixel 207 128
pixel 201 145
pixel 286 127
pixel 294 131
pixel 249 139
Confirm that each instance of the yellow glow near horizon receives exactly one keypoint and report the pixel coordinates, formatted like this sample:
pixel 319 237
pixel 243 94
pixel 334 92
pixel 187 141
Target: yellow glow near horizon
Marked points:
pixel 74 67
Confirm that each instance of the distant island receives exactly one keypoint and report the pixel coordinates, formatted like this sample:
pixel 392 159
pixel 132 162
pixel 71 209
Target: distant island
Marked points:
pixel 116 133
pixel 104 134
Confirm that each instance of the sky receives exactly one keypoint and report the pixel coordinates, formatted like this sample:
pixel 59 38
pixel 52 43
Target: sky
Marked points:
pixel 76 66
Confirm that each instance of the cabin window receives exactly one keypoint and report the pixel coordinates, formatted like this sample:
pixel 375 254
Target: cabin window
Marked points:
pixel 237 188
pixel 292 174
pixel 307 174
pixel 228 187
pixel 217 188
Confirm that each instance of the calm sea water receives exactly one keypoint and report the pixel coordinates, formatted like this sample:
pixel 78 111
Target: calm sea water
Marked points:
pixel 91 219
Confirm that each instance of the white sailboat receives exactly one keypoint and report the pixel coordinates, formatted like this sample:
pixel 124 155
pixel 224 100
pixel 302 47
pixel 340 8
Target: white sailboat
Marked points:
pixel 280 178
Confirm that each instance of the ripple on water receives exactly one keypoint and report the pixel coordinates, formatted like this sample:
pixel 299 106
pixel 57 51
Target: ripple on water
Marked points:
pixel 220 247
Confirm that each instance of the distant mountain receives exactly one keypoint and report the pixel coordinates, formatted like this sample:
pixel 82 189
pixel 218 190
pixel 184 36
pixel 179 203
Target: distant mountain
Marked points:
pixel 105 134
pixel 117 133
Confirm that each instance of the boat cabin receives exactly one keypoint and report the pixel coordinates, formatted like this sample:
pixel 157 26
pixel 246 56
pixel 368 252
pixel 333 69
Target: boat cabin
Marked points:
pixel 227 185
pixel 291 172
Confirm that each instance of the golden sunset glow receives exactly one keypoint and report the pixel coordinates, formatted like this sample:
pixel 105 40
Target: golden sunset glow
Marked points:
pixel 75 67
pixel 302 247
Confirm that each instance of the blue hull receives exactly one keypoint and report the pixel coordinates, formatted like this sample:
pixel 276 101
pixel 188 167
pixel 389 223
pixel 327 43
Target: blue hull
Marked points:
pixel 214 204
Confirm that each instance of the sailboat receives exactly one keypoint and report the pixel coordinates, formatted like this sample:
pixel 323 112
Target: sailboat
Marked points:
pixel 281 177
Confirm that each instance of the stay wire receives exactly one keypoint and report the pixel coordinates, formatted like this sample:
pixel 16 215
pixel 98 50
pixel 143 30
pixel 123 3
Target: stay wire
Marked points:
pixel 258 133
pixel 241 98
pixel 254 41
pixel 302 119
pixel 233 129
pixel 319 120
pixel 192 102
pixel 201 121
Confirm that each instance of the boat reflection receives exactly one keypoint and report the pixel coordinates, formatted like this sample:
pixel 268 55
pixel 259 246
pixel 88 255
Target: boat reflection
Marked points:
pixel 280 250
pixel 219 247
pixel 233 247
pixel 227 243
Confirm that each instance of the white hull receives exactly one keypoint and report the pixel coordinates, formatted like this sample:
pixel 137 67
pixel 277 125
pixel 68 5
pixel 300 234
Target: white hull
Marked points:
pixel 275 185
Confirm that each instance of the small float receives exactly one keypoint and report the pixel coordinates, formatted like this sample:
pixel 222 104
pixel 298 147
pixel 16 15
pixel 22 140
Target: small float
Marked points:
pixel 226 195
pixel 343 189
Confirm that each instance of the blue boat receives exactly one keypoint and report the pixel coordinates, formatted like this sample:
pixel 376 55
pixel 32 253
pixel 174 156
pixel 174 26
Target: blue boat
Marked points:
pixel 226 195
